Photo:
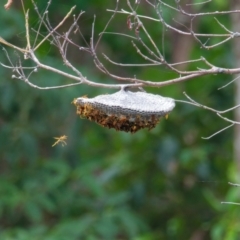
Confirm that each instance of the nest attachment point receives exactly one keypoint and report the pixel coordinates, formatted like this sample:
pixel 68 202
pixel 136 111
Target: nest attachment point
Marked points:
pixel 125 110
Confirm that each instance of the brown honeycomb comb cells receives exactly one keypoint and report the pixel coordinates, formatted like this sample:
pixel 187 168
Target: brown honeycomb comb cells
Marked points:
pixel 125 110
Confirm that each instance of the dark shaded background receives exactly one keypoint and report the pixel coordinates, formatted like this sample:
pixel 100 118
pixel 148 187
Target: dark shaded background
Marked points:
pixel 167 183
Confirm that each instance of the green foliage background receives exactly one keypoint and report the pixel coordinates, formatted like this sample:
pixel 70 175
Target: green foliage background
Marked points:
pixel 166 183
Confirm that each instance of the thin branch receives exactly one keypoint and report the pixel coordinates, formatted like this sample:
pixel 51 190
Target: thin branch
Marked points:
pixel 234 184
pixel 60 24
pixel 193 102
pixel 203 13
pixel 106 26
pixel 119 34
pixel 41 18
pixel 171 27
pixel 216 133
pixel 50 88
pixel 12 46
pixel 233 203
pixel 148 64
pixel 148 48
pixel 191 4
pixel 229 82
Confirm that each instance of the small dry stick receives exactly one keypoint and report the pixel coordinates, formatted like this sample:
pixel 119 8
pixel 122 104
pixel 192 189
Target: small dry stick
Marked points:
pixel 60 139
pixel 8 4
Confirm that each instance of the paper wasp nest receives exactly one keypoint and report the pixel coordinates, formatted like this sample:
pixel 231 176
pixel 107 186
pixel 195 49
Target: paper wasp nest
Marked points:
pixel 124 110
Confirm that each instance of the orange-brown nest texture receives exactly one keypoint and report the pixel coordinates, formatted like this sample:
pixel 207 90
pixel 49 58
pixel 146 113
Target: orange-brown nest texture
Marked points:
pixel 119 122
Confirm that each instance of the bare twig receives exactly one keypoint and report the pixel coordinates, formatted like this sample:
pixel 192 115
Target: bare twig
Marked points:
pixel 144 43
pixel 51 32
pixel 234 184
pixel 216 133
pixel 233 203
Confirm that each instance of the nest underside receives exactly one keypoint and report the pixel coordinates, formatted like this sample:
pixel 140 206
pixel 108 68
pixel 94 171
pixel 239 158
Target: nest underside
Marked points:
pixel 119 119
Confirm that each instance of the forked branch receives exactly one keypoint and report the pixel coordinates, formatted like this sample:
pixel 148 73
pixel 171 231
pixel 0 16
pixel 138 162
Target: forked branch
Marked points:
pixel 151 52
